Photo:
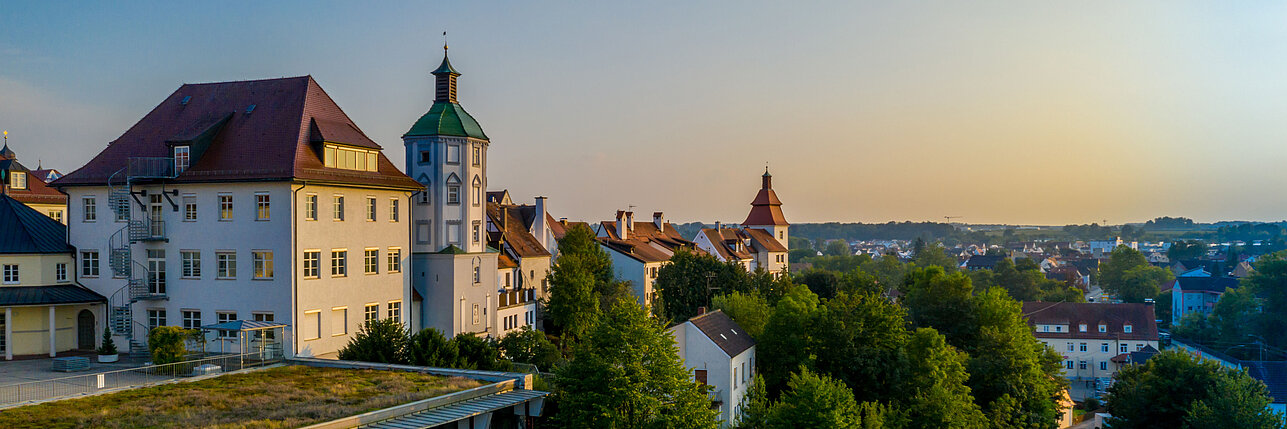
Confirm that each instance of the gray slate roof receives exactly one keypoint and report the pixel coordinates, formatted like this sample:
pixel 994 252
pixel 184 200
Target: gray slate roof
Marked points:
pixel 25 230
pixel 726 334
pixel 45 295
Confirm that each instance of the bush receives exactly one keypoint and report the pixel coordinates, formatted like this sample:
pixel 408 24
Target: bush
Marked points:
pixel 109 346
pixel 479 353
pixel 381 341
pixel 530 346
pixel 167 344
pixel 430 348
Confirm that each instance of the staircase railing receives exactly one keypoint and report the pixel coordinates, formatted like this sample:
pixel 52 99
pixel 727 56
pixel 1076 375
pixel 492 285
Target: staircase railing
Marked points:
pixel 120 245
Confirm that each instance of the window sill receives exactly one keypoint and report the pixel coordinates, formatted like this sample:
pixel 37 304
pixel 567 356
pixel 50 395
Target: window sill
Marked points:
pixel 225 278
pixel 311 339
pixel 311 277
pixel 262 279
pixel 340 334
pixel 339 276
pixel 190 278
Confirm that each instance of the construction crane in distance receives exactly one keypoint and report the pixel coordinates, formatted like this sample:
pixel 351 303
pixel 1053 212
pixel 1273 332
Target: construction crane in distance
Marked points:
pixel 949 218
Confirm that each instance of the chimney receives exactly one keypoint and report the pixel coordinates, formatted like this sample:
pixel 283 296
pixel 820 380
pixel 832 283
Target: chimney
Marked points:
pixel 701 311
pixel 717 225
pixel 540 229
pixel 659 220
pixel 630 221
pixel 621 225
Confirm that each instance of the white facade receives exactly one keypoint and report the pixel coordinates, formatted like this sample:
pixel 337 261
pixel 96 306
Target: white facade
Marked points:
pixel 640 274
pixel 728 376
pixel 237 251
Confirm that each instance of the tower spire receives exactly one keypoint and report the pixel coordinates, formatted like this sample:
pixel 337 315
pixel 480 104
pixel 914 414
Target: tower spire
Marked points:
pixel 445 78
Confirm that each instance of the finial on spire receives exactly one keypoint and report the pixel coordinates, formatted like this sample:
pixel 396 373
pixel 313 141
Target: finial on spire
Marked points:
pixel 444 42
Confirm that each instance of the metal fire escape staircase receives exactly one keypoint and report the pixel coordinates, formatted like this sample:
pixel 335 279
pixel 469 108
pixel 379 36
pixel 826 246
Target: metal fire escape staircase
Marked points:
pixel 137 229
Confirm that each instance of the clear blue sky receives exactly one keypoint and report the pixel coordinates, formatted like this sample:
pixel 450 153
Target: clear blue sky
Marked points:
pixel 1020 112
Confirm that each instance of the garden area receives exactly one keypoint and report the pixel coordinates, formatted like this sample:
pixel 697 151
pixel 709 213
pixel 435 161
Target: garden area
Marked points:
pixel 282 397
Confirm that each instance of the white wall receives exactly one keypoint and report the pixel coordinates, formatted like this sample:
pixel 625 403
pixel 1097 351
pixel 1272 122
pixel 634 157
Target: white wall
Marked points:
pixel 699 352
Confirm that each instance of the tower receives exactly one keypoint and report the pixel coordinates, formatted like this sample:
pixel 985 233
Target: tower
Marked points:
pixel 766 211
pixel 453 271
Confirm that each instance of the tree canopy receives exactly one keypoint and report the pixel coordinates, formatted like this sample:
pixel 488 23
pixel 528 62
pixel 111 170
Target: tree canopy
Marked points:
pixel 1176 390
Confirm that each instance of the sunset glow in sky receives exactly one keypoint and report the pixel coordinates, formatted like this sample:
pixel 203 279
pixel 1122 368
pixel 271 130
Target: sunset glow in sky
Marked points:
pixel 1015 112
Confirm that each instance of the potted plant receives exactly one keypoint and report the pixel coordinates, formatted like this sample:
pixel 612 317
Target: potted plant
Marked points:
pixel 107 351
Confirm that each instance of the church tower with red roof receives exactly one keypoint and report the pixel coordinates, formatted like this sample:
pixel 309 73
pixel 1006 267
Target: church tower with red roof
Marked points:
pixel 766 211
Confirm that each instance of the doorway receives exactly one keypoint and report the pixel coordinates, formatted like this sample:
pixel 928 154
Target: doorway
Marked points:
pixel 85 330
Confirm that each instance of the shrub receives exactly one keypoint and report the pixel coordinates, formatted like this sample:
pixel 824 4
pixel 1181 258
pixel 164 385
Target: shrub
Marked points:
pixel 479 353
pixel 430 348
pixel 531 346
pixel 167 344
pixel 109 346
pixel 380 341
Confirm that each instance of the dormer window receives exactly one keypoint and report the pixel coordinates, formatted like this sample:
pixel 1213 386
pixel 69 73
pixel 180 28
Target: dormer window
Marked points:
pixel 350 158
pixel 18 180
pixel 1103 328
pixel 1082 327
pixel 1126 329
pixel 182 158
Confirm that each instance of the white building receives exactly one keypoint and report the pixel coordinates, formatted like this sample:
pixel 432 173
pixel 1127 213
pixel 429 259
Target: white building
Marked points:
pixel 638 250
pixel 1094 339
pixel 720 354
pixel 253 200
pixel 454 272
pixel 521 234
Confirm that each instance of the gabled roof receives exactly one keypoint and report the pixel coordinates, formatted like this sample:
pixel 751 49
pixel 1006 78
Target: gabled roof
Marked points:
pixel 983 261
pixel 1115 316
pixel 1204 284
pixel 46 295
pixel 638 249
pixel 765 240
pixel 25 230
pixel 245 131
pixel 726 334
pixel 37 191
pixel 514 223
pixel 720 238
pixel 1273 374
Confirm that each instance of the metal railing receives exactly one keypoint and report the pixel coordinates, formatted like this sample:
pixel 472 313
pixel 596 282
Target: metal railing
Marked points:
pixel 151 168
pixel 77 385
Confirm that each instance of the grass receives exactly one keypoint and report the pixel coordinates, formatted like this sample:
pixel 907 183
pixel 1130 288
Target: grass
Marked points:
pixel 283 397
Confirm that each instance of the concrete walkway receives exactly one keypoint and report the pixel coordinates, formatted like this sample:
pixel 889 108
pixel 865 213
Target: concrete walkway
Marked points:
pixel 23 371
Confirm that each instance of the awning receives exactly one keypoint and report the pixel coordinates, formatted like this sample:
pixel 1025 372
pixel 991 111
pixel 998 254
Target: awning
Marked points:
pixel 244 325
pixel 48 295
pixel 464 409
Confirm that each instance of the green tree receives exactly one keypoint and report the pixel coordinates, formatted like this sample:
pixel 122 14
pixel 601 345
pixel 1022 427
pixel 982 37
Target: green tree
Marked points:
pixel 888 270
pixel 167 344
pixel 859 340
pixel 785 345
pixel 685 283
pixel 798 255
pixel 823 283
pixel 479 353
pixel 1185 250
pixel 430 347
pixel 942 301
pixel 750 311
pixel 1139 283
pixel 934 255
pixel 756 407
pixel 935 394
pixel 1269 282
pixel 837 248
pixel 1176 390
pixel 1162 309
pixel 626 373
pixel 527 345
pixel 815 401
pixel 381 341
pixel 1013 376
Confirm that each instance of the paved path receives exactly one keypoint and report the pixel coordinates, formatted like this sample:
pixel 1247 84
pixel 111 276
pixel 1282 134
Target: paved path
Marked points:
pixel 22 371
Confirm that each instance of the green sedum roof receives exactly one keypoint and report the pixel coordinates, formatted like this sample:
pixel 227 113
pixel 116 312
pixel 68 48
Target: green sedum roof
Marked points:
pixel 447 119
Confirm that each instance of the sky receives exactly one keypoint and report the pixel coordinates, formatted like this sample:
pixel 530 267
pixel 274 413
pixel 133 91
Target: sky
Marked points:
pixel 994 112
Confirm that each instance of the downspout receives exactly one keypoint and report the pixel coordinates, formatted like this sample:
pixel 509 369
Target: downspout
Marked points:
pixel 408 269
pixel 294 287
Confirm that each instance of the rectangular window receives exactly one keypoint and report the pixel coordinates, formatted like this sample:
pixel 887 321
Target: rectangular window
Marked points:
pixel 393 209
pixel 426 157
pixel 1139 347
pixel 263 262
pixel 189 208
pixel 60 272
pixel 155 317
pixel 1126 329
pixel 18 180
pixel 226 263
pixel 1068 364
pixel 453 194
pixel 1070 347
pixel 182 157
pixel 339 263
pixel 10 274
pixel 422 232
pixel 89 263
pixel 1083 347
pixel 478 277
pixel 477 231
pixel 371 261
pixel 191 319
pixel 1103 347
pixel 226 316
pixel 478 154
pixel 370 209
pixel 261 207
pixel 1103 328
pixel 337 208
pixel 370 313
pixel 56 215
pixel 1121 348
pixel 1103 366
pixel 191 263
pixel 339 321
pixel 1082 327
pixel 225 207
pixel 312 325
pixel 395 310
pixel 453 154
pixel 395 260
pixel 476 314
pixel 310 207
pixel 90 209
pixel 1081 364
pixel 453 233
pixel 312 264
pixel 350 158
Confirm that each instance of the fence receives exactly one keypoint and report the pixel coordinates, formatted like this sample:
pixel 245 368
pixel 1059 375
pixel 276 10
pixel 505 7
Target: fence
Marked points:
pixel 77 385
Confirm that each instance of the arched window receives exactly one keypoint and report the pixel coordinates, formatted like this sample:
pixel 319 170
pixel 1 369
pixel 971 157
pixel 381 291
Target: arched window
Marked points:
pixel 478 190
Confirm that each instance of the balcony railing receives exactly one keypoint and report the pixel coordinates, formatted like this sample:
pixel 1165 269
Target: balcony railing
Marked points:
pixel 151 168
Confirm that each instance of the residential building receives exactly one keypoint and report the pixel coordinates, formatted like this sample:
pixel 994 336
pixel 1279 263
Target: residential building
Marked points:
pixel 1274 375
pixel 752 248
pixel 43 311
pixel 982 262
pixel 453 268
pixel 721 355
pixel 520 234
pixel 1196 294
pixel 27 186
pixel 1094 339
pixel 638 250
pixel 251 200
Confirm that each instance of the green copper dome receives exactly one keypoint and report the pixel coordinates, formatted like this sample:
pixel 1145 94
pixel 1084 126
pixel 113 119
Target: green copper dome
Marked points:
pixel 447 119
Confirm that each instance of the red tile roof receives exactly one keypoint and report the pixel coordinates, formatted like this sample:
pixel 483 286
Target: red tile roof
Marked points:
pixel 1115 316
pixel 37 192
pixel 766 208
pixel 277 139
pixel 515 233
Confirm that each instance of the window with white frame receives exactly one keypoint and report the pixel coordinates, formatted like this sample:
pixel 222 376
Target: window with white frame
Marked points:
pixel 263 263
pixel 1103 366
pixel 226 264
pixel 155 317
pixel 453 232
pixel 339 263
pixel 1082 327
pixel 1103 347
pixel 350 158
pixel 1121 348
pixel 370 209
pixel 310 207
pixel 395 260
pixel 478 191
pixel 56 215
pixel 453 154
pixel 395 310
pixel 393 209
pixel 339 321
pixel 89 263
pixel 10 274
pixel 312 328
pixel 262 204
pixel 18 180
pixel 189 208
pixel 191 263
pixel 370 313
pixel 89 207
pixel 312 264
pixel 60 272
pixel 225 207
pixel 478 277
pixel 371 261
pixel 1126 328
pixel 476 314
pixel 422 232
pixel 226 316
pixel 477 231
pixel 478 154
pixel 182 157
pixel 337 208
pixel 453 194
pixel 191 319
pixel 1103 328
pixel 1082 346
